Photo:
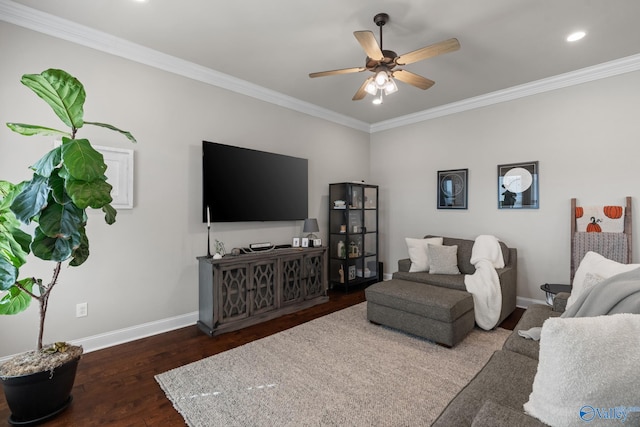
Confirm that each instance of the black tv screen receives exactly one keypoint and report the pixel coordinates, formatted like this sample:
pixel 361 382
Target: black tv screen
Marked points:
pixel 240 184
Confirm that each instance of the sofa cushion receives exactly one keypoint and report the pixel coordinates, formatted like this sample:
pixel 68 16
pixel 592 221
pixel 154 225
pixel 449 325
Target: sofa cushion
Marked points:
pixel 533 317
pixel 451 281
pixel 434 302
pixel 443 259
pixel 465 246
pixel 418 253
pixel 586 363
pixel 507 378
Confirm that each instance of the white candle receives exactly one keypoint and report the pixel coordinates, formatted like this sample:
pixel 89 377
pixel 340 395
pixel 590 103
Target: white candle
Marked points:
pixel 208 218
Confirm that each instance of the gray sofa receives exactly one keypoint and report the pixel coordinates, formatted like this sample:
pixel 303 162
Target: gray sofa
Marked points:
pixel 437 306
pixel 507 275
pixel 496 395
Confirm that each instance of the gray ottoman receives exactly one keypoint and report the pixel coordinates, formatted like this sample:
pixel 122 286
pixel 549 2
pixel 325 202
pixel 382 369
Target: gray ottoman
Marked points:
pixel 438 314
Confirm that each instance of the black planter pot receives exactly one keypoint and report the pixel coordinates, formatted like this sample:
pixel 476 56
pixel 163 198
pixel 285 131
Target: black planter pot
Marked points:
pixel 38 397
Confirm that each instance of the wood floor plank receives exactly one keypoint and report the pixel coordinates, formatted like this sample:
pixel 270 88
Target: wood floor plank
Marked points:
pixel 116 386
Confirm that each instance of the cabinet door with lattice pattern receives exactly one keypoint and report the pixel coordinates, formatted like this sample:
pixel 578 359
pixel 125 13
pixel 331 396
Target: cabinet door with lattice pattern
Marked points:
pixel 314 275
pixel 263 289
pixel 291 277
pixel 233 303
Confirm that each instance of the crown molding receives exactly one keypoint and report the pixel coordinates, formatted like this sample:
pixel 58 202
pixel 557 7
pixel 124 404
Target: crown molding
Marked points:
pixel 54 26
pixel 584 75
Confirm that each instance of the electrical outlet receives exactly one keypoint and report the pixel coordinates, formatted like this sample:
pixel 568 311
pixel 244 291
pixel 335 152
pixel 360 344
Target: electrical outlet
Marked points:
pixel 81 309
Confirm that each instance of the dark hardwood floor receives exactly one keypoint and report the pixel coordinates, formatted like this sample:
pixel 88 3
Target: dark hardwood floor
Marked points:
pixel 116 386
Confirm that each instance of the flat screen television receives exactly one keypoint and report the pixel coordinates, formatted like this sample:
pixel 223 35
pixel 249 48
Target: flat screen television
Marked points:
pixel 241 184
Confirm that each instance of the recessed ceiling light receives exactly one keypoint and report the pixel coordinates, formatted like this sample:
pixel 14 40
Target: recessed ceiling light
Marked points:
pixel 574 37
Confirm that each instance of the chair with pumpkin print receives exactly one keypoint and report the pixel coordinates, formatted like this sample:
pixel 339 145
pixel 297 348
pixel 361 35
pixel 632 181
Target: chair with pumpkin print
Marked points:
pixel 602 229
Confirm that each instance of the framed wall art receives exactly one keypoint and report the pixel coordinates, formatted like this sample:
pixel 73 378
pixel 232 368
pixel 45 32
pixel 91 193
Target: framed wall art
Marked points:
pixel 518 186
pixel 453 189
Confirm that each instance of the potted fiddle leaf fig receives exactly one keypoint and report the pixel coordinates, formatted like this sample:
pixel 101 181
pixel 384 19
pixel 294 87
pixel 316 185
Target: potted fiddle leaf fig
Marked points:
pixel 66 181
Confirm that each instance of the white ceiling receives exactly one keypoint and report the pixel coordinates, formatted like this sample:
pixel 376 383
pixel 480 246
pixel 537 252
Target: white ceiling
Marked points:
pixel 276 44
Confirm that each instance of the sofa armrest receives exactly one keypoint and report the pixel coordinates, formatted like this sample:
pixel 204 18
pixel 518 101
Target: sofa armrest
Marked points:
pixel 560 301
pixel 493 414
pixel 404 265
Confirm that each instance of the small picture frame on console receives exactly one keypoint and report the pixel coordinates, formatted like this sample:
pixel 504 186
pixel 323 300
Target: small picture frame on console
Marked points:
pixel 317 243
pixel 296 242
pixel 305 242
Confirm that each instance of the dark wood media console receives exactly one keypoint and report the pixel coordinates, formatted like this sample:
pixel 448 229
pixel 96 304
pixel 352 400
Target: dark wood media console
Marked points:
pixel 238 291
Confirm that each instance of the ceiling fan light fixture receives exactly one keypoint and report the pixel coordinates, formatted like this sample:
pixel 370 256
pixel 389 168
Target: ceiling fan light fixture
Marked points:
pixel 371 88
pixel 378 100
pixel 382 77
pixel 390 87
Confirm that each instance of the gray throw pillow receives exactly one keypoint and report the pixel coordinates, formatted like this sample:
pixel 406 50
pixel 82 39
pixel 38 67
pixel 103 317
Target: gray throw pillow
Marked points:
pixel 443 259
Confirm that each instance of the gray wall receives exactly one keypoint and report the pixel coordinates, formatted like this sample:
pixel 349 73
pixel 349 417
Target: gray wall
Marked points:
pixel 585 137
pixel 143 268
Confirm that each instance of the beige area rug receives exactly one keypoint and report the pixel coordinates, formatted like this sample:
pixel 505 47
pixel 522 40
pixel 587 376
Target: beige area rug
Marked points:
pixel 338 370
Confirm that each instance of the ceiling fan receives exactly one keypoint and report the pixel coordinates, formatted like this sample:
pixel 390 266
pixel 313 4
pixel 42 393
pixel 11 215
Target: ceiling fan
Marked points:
pixel 383 63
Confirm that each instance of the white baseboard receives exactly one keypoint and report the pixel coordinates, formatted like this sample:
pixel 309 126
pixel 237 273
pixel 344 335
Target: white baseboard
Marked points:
pixel 523 302
pixel 121 336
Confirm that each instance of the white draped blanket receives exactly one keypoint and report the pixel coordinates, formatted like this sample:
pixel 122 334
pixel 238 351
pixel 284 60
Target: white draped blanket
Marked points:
pixel 484 284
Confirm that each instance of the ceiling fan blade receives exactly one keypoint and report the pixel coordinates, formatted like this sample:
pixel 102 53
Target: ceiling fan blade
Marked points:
pixel 413 79
pixel 361 93
pixel 368 42
pixel 446 46
pixel 334 72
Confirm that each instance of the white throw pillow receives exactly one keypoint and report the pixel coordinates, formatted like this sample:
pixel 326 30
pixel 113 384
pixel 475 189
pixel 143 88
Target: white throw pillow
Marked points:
pixel 597 265
pixel 418 252
pixel 587 370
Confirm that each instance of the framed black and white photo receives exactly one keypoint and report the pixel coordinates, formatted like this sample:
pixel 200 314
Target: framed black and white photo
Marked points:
pixel 296 242
pixel 453 189
pixel 305 242
pixel 518 186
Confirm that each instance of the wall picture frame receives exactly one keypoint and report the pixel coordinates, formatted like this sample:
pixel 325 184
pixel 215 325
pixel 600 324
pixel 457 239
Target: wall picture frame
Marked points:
pixel 518 186
pixel 453 189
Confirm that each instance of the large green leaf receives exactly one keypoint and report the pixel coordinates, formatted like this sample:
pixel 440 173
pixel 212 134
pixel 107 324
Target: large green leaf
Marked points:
pixel 63 92
pixel 81 160
pixel 16 300
pixel 8 274
pixel 14 243
pixel 48 162
pixel 56 183
pixel 8 192
pixel 108 126
pixel 81 252
pixel 63 221
pixel 50 249
pixel 93 194
pixel 30 130
pixel 31 199
pixel 109 214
